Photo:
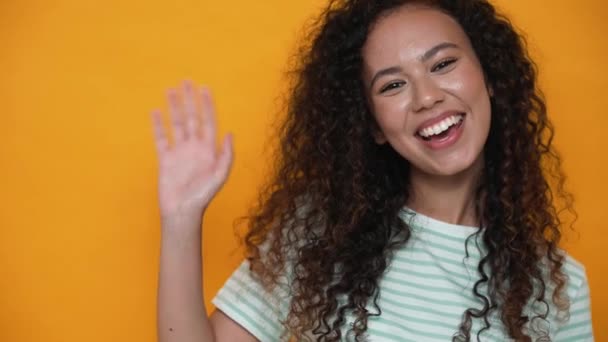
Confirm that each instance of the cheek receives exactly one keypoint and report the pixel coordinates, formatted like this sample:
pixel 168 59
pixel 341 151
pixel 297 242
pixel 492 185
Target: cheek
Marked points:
pixel 480 102
pixel 390 114
pixel 469 86
pixel 468 83
pixel 476 89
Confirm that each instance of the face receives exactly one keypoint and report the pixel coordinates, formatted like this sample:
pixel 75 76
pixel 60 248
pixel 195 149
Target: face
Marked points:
pixel 426 90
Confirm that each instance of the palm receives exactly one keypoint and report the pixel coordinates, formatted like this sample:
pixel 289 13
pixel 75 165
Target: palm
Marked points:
pixel 191 171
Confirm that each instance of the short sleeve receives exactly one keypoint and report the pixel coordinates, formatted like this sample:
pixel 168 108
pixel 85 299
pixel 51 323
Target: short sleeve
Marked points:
pixel 247 302
pixel 578 328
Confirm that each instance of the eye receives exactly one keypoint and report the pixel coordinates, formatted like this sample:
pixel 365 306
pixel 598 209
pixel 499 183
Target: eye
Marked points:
pixel 443 64
pixel 392 85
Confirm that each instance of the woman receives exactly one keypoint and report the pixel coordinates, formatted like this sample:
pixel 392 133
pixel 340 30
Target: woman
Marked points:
pixel 409 202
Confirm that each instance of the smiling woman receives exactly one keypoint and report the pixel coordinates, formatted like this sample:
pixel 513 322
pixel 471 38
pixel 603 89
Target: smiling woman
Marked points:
pixel 434 107
pixel 409 202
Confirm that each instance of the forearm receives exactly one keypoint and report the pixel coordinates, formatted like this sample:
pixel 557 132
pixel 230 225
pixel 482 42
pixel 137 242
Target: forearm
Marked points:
pixel 181 310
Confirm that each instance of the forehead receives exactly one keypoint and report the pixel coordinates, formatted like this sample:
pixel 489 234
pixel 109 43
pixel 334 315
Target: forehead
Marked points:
pixel 408 32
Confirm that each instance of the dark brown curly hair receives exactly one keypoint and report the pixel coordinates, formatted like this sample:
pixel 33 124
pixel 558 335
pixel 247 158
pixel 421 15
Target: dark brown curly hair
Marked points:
pixel 330 212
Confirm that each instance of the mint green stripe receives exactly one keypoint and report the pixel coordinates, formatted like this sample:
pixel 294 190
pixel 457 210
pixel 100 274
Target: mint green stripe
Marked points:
pixel 253 295
pixel 574 266
pixel 385 335
pixel 442 247
pixel 427 276
pixel 465 294
pixel 455 305
pixel 433 264
pixel 444 259
pixel 580 338
pixel 402 270
pixel 420 228
pixel 575 272
pixel 256 309
pixel 488 335
pixel 573 326
pixel 584 310
pixel 401 282
pixel 243 317
pixel 474 253
pixel 409 318
pixel 412 331
pixel 279 292
pixel 422 251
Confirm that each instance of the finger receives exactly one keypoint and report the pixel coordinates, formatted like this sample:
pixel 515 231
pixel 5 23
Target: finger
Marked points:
pixel 176 116
pixel 160 139
pixel 208 124
pixel 191 114
pixel 225 158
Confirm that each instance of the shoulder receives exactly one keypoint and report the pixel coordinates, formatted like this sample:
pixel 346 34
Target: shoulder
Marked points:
pixel 578 326
pixel 575 271
pixel 246 301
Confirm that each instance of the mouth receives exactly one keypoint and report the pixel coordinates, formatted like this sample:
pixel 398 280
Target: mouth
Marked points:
pixel 442 129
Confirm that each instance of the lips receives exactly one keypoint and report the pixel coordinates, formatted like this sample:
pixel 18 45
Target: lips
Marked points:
pixel 445 139
pixel 431 122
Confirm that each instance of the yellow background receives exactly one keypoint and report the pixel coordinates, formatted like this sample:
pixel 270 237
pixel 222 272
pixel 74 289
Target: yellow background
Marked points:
pixel 79 229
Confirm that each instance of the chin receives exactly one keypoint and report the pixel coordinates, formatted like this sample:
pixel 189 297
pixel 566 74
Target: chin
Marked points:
pixel 453 167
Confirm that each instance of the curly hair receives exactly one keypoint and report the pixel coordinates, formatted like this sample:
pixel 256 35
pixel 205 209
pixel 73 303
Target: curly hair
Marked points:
pixel 330 211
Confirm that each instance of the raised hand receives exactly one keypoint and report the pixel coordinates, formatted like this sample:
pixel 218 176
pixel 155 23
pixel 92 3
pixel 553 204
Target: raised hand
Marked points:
pixel 191 169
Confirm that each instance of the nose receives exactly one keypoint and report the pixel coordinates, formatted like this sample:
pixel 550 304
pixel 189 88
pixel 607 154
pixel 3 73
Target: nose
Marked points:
pixel 426 93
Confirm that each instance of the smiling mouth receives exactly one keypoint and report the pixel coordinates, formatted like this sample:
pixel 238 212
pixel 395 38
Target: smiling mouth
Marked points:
pixel 441 129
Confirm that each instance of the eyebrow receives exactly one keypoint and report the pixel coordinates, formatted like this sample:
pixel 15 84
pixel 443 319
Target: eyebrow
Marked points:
pixel 425 57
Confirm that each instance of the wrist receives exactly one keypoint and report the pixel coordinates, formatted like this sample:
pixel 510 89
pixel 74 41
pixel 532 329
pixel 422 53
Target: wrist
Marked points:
pixel 181 224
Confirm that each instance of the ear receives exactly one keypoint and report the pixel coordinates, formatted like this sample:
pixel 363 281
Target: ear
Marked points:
pixel 377 133
pixel 490 90
pixel 379 137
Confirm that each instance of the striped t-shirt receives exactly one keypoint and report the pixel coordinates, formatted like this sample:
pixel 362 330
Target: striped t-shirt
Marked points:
pixel 423 293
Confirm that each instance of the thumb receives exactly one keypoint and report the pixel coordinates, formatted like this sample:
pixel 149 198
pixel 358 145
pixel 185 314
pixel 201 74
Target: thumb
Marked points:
pixel 225 158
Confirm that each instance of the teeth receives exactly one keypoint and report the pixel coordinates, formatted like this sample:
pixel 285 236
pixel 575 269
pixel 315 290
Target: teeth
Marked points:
pixel 441 126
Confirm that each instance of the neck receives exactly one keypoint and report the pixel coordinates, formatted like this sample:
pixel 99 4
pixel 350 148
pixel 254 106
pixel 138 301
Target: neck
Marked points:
pixel 446 198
